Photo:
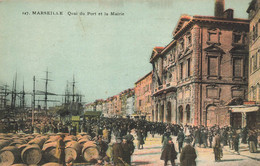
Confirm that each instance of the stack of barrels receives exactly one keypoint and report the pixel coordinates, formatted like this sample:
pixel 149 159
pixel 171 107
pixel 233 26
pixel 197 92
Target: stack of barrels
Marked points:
pixel 25 149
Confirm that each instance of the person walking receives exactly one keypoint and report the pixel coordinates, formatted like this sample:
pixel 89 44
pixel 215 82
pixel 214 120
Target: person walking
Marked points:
pixel 196 137
pixel 169 153
pixel 165 139
pixel 180 139
pixel 252 143
pixel 210 138
pixel 188 154
pixel 236 142
pixel 244 135
pixel 60 150
pixel 217 147
pixel 140 139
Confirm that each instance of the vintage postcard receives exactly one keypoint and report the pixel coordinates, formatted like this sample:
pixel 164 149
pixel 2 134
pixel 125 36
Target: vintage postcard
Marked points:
pixel 129 82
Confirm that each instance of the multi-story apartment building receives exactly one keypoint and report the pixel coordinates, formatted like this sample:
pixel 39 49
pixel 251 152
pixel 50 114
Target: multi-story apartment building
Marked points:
pixel 130 103
pixel 127 102
pixel 202 70
pixel 253 118
pixel 143 100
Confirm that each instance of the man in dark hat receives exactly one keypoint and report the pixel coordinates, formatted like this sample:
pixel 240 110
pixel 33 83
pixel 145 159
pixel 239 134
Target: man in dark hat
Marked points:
pixel 165 139
pixel 130 141
pixel 117 152
pixel 169 153
pixel 126 151
pixel 217 147
pixel 140 139
pixel 188 154
pixel 102 146
pixel 197 137
pixel 236 142
pixel 180 139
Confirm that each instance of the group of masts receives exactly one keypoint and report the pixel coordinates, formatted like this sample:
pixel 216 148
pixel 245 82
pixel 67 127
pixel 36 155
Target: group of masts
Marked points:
pixel 6 94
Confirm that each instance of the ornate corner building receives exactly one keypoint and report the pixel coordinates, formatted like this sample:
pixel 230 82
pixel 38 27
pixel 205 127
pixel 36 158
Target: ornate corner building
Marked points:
pixel 202 70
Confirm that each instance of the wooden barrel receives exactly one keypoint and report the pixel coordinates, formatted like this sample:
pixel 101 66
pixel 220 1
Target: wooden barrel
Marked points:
pixel 4 143
pixel 84 137
pixel 31 154
pixel 19 165
pixel 49 151
pixel 83 141
pixel 17 141
pixel 21 147
pixel 90 151
pixel 72 150
pixel 51 164
pixel 70 138
pixel 38 141
pixel 9 155
pixel 52 139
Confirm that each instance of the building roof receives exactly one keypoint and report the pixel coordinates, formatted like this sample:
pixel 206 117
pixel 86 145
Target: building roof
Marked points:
pixel 182 27
pixel 158 49
pixel 143 77
pixel 180 24
pixel 251 6
pixel 165 50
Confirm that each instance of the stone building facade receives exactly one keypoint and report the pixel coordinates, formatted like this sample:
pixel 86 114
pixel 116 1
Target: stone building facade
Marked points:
pixel 254 62
pixel 143 100
pixel 120 105
pixel 127 98
pixel 201 70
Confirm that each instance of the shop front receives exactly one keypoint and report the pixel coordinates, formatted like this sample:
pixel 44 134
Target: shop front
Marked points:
pixel 245 115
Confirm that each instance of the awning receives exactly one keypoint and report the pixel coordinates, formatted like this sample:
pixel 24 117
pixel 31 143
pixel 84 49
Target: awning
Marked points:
pixel 243 108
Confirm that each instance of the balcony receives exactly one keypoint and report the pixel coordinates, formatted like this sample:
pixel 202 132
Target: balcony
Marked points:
pixel 171 86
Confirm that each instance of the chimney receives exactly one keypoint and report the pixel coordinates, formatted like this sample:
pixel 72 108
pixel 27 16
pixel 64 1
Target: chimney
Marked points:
pixel 229 14
pixel 219 8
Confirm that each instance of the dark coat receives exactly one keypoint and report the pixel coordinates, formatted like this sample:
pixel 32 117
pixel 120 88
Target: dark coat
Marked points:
pixel 102 148
pixel 126 152
pixel 180 137
pixel 169 152
pixel 117 153
pixel 140 137
pixel 60 151
pixel 197 136
pixel 188 156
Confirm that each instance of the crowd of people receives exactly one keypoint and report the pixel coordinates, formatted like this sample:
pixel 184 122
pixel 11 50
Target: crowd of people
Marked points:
pixel 119 153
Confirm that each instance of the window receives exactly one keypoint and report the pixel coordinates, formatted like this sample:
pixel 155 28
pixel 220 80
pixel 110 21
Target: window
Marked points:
pixel 237 37
pixel 173 54
pixel 237 67
pixel 254 93
pixel 255 31
pixel 188 67
pixel 213 36
pixel 254 62
pixel 212 66
pixel 181 45
pixel 188 39
pixel 181 71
